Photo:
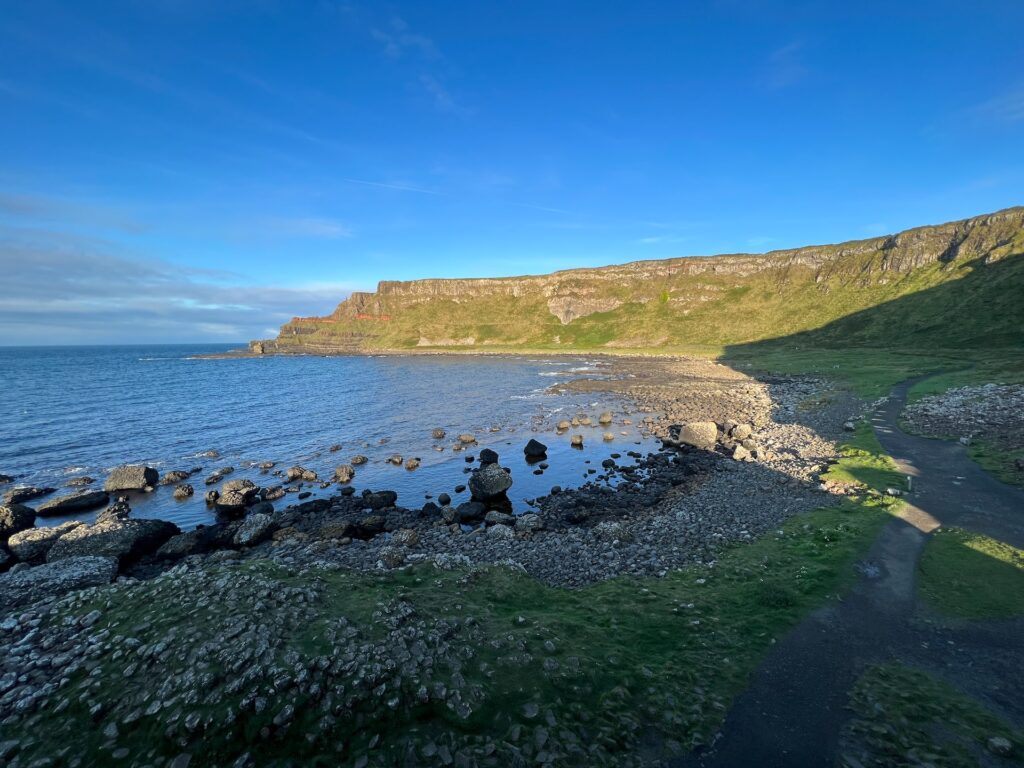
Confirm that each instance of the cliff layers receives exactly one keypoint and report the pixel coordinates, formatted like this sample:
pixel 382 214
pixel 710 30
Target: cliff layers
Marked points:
pixel 960 283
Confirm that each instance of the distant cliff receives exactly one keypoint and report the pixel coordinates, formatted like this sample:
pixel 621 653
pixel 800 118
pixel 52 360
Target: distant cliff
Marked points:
pixel 718 300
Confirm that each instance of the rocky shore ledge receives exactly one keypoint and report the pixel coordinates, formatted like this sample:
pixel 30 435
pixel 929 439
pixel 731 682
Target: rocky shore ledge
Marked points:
pixel 739 457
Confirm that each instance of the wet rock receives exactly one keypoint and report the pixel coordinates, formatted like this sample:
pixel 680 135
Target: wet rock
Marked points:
pixel 15 518
pixel 529 523
pixel 700 434
pixel 335 448
pixel 4 479
pixel 30 585
pixel 487 456
pixel 32 545
pixel 75 502
pixel 380 499
pixel 412 463
pixel 253 530
pixel 358 459
pixel 438 434
pixel 495 518
pixel 444 499
pixel 126 541
pixel 564 425
pixel 131 477
pixel 999 745
pixel 467 438
pixel 119 510
pixel 344 473
pixel 489 481
pixel 78 482
pixel 607 437
pixel 300 473
pixel 211 496
pixel 470 511
pixel 183 491
pixel 605 418
pixel 174 476
pixel 576 441
pixel 202 539
pixel 276 492
pixel 396 459
pixel 535 449
pixel 26 493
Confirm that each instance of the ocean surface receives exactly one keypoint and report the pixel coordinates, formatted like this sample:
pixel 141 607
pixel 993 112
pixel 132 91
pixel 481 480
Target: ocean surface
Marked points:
pixel 73 411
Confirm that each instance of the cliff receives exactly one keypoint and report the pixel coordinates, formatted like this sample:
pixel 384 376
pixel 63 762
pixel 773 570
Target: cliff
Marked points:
pixel 717 300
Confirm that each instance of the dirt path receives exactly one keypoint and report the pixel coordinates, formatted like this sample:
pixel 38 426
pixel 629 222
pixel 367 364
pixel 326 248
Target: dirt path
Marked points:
pixel 793 712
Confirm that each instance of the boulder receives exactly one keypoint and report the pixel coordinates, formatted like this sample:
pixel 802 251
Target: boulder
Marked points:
pixel 237 494
pixel 412 463
pixel 131 477
pixel 33 544
pixel 200 540
pixel 183 491
pixel 438 434
pixel 741 454
pixel 489 481
pixel 741 432
pixel 535 450
pixel 253 530
pixel 396 459
pixel 405 537
pixel 15 518
pixel 4 479
pixel 301 473
pixel 487 456
pixel 607 437
pixel 123 540
pixel 29 585
pixel 501 531
pixel 212 496
pixel 344 473
pixel 335 448
pixel 576 441
pixel 358 459
pixel 174 476
pixel 79 482
pixel 499 518
pixel 467 439
pixel 699 434
pixel 119 510
pixel 605 418
pixel 529 523
pixel 444 499
pixel 276 492
pixel 469 512
pixel 75 502
pixel 26 493
pixel 563 425
pixel 380 499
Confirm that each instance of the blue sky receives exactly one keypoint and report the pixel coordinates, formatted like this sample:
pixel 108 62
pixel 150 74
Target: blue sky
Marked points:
pixel 176 170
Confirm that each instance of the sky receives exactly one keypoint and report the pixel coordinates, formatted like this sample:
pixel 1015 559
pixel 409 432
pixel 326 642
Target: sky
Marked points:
pixel 195 170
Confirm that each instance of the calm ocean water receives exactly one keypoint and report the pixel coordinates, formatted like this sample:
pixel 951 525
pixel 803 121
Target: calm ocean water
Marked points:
pixel 71 411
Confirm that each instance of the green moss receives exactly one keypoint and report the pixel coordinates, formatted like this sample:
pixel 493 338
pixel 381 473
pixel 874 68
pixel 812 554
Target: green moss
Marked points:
pixel 864 462
pixel 906 717
pixel 971 576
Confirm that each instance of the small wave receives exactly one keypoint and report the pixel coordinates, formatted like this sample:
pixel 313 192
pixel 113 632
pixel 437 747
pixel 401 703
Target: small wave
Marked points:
pixel 151 359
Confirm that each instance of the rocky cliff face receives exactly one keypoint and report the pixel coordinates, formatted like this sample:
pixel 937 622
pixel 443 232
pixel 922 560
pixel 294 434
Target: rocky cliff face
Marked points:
pixel 624 305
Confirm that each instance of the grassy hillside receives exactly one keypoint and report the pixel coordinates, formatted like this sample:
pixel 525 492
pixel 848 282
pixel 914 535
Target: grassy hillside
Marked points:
pixel 955 285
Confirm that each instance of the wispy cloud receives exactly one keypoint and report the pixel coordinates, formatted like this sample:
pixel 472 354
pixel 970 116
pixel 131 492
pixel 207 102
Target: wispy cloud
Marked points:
pixel 661 239
pixel 390 185
pixel 398 39
pixel 309 226
pixel 64 288
pixel 441 97
pixel 785 66
pixel 48 209
pixel 1005 109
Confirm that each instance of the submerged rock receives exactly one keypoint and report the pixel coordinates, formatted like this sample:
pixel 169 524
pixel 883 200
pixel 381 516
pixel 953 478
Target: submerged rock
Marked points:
pixel 26 493
pixel 75 502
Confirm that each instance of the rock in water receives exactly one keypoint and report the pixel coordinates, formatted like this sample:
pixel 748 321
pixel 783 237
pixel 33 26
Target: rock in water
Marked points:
pixel 563 425
pixel 700 434
pixel 605 418
pixel 489 481
pixel 381 499
pixel 125 540
pixel 75 502
pixel 26 493
pixel 301 473
pixel 253 530
pixel 358 459
pixel 467 439
pixel 576 441
pixel 487 456
pixel 131 477
pixel 183 491
pixel 173 477
pixel 438 434
pixel 27 586
pixel 32 544
pixel 535 449
pixel 118 511
pixel 15 518
pixel 412 463
pixel 344 473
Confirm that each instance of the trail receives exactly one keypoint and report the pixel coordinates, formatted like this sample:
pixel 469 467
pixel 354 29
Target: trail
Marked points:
pixel 793 712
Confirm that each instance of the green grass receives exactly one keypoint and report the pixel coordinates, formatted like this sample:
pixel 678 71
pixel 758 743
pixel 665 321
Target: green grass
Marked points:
pixel 906 717
pixel 864 462
pixel 971 576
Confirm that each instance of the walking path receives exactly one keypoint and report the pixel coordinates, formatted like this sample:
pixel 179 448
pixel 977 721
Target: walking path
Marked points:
pixel 793 712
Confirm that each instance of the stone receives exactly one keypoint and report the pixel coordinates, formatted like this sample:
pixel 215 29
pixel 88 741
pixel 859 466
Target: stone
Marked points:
pixel 183 491
pixel 699 434
pixel 405 537
pixel 849 426
pixel 501 532
pixel 608 437
pixel 489 481
pixel 529 523
pixel 467 439
pixel 301 473
pixel 608 464
pixel 412 463
pixel 276 492
pixel 438 434
pixel 444 499
pixel 468 512
pixel 499 518
pixel 740 453
pixel 344 473
pixel 380 499
pixel 75 502
pixel 119 510
pixel 4 479
pixel 32 545
pixel 15 518
pixel 605 418
pixel 79 482
pixel 212 496
pixel 563 426
pixel 576 441
pixel 124 540
pixel 487 456
pixel 396 459
pixel 174 476
pixel 261 508
pixel 253 530
pixel 392 557
pixel 358 459
pixel 26 493
pixel 29 585
pixel 131 477
pixel 200 540
pixel 335 448
pixel 999 745
pixel 535 449
pixel 741 432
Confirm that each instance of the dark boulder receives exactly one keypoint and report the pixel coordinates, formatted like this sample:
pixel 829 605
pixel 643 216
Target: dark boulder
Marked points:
pixel 470 511
pixel 489 481
pixel 75 502
pixel 174 476
pixel 254 529
pixel 4 479
pixel 380 499
pixel 183 491
pixel 15 518
pixel 79 482
pixel 487 456
pixel 202 539
pixel 444 499
pixel 535 450
pixel 126 540
pixel 131 477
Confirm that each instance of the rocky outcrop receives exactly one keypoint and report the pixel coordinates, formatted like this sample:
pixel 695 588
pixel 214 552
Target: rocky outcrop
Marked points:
pixel 15 518
pixel 30 585
pixel 134 477
pixel 75 502
pixel 33 544
pixel 125 541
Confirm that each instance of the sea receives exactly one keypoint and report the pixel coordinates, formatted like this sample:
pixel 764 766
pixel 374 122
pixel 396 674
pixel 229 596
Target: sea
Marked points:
pixel 79 411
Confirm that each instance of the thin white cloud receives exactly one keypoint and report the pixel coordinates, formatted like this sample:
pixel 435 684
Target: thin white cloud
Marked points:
pixel 389 185
pixel 311 227
pixel 441 97
pixel 398 39
pixel 785 66
pixel 1005 109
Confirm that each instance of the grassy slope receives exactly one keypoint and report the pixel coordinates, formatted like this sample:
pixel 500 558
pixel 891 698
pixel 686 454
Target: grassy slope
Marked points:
pixel 971 576
pixel 905 717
